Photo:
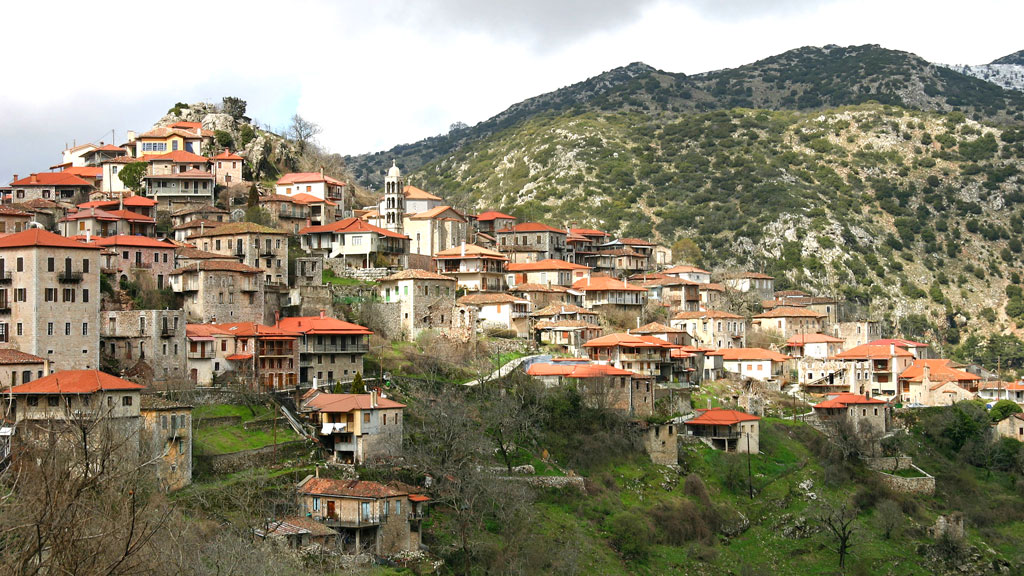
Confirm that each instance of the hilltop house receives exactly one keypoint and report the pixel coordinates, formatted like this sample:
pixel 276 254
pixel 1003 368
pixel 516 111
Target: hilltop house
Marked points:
pixel 491 221
pixel 818 346
pixel 605 292
pixel 601 385
pixel 691 273
pixel 227 168
pixel 713 328
pixel 55 186
pixel 220 290
pixel 864 415
pixel 533 242
pixel 330 350
pixel 788 321
pixel 474 268
pixel 936 382
pixel 874 368
pixel 760 284
pixel 312 183
pixel 498 311
pixel 426 300
pixel 755 363
pixel 546 272
pixel 357 243
pixel 645 356
pixel 180 136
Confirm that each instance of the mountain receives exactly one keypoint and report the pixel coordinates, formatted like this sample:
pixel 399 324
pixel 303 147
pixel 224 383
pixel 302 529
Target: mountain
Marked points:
pixel 1017 58
pixel 806 78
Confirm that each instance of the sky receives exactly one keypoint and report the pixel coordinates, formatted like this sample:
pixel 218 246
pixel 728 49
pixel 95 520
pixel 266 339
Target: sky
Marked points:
pixel 376 74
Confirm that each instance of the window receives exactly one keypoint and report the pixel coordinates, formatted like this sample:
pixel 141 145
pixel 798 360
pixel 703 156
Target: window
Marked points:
pixel 19 293
pixel 50 295
pixel 85 265
pixel 126 401
pixel 366 417
pixel 67 328
pixel 85 294
pixel 85 328
pixel 52 401
pixel 69 295
pixel 316 504
pixel 20 329
pixel 163 421
pixel 49 328
pixel 33 401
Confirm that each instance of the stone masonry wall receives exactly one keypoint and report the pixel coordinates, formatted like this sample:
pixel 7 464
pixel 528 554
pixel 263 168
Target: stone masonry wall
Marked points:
pixel 660 442
pixel 885 464
pixel 235 461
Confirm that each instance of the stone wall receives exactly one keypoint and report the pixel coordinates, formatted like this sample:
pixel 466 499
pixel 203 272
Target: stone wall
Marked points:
pixel 921 485
pixel 660 442
pixel 137 336
pixel 393 534
pixel 885 464
pixel 549 481
pixel 235 461
pixel 337 265
pixel 385 442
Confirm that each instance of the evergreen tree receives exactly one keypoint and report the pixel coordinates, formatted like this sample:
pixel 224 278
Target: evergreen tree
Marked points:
pixel 357 384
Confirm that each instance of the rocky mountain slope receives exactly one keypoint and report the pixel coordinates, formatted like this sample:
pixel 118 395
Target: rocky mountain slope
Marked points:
pixel 1006 72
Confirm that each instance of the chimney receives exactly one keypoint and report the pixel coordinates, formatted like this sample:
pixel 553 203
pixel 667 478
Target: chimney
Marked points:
pixel 322 312
pixel 88 235
pixel 892 349
pixel 277 317
pixel 33 179
pixel 316 471
pixel 131 136
pixel 463 244
pixel 15 179
pixel 321 170
pixel 373 398
pixel 927 372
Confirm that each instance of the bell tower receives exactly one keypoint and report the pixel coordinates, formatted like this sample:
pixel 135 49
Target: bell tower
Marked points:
pixel 393 207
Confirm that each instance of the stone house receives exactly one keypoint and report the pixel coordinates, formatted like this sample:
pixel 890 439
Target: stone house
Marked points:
pixel 90 222
pixel 287 213
pixel 618 262
pixel 605 292
pixel 55 186
pixel 208 349
pixel 369 516
pixel 788 321
pixel 499 311
pixel 584 242
pixel 855 333
pixel 297 532
pixel 813 345
pixel 713 328
pixel 356 243
pixel 219 290
pixel 1011 427
pixel 676 294
pixel 426 300
pixel 865 416
pixel 227 168
pixel 50 298
pixel 875 368
pixel 355 428
pixel 149 343
pixel 265 357
pixel 712 296
pixel 760 284
pixel 925 382
pixel 541 296
pixel 330 350
pixel 435 230
pixel 184 136
pixel 601 385
pixel 166 441
pixel 137 204
pixel 138 257
pixel 644 356
pixel 667 333
pixel 17 367
pixel 198 212
pixel 475 268
pixel 533 242
pixel 491 221
pixel 13 220
pixel 546 272
pixel 727 430
pixel 567 335
pixel 46 412
pixel 258 246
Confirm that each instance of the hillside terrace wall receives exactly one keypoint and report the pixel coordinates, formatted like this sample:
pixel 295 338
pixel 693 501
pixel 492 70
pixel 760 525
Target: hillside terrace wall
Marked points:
pixel 236 461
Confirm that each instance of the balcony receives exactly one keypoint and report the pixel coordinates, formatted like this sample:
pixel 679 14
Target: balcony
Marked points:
pixel 200 355
pixel 266 252
pixel 6 277
pixel 351 522
pixel 5 307
pixel 69 277
pixel 167 331
pixel 240 253
pixel 724 435
pixel 249 287
pixel 358 348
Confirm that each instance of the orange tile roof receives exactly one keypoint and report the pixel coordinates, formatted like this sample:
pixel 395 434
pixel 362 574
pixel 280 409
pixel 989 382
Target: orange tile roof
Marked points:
pixel 576 370
pixel 562 308
pixel 636 242
pixel 15 356
pixel 435 212
pixel 488 298
pixel 325 402
pixel 321 325
pixel 656 328
pixel 720 417
pixel 817 338
pixel 137 241
pixel 845 399
pixel 86 171
pixel 307 178
pixel 533 287
pixel 790 312
pixel 198 223
pixel 712 286
pixel 203 331
pixel 51 179
pixel 40 237
pixel 193 253
pixel 493 215
pixel 743 354
pixel 349 488
pixel 303 198
pixel 546 264
pixel 551 325
pixel 227 154
pixel 604 283
pixel 701 314
pixel 939 370
pixel 255 329
pixel 182 130
pixel 8 210
pixel 74 382
pixel 588 232
pixel 177 156
pixel 415 274
pixel 471 251
pixel 898 342
pixel 414 193
pixel 871 352
pixel 217 266
pixel 237 357
pixel 629 341
pixel 351 226
pixel 131 216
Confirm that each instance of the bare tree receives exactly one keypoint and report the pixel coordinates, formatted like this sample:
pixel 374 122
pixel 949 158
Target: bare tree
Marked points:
pixel 303 131
pixel 838 521
pixel 510 414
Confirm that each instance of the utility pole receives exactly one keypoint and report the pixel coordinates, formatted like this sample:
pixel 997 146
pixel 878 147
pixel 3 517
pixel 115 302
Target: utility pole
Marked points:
pixel 750 477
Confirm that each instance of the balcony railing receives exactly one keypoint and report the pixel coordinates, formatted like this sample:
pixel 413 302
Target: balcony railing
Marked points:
pixel 266 252
pixel 359 348
pixel 712 434
pixel 6 277
pixel 200 355
pixel 167 331
pixel 247 287
pixel 5 307
pixel 351 522
pixel 68 277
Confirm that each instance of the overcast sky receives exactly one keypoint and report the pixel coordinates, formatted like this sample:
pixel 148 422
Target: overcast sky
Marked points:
pixel 376 74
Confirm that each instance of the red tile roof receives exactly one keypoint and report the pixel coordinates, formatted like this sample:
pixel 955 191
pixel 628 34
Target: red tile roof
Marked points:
pixel 203 331
pixel 547 264
pixel 898 342
pixel 307 178
pixel 303 198
pixel 85 171
pixel 701 314
pixel 415 274
pixel 15 356
pixel 414 193
pixel 817 338
pixel 51 179
pixel 657 328
pixel 351 226
pixel 939 370
pixel 604 283
pixel 238 357
pixel 493 215
pixel 232 228
pixel 846 399
pixel 685 269
pixel 349 488
pixel 227 155
pixel 720 417
pixel 216 266
pixel 255 329
pixel 576 370
pixel 629 341
pixel 137 241
pixel 324 402
pixel 468 251
pixel 74 382
pixel 40 237
pixel 588 232
pixel 177 156
pixel 321 325
pixel 531 227
pixel 437 212
pixel 488 298
pixel 873 351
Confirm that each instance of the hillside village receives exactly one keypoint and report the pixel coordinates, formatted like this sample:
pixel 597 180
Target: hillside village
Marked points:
pixel 148 284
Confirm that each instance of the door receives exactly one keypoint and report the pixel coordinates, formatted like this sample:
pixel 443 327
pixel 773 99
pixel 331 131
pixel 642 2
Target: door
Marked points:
pixel 330 508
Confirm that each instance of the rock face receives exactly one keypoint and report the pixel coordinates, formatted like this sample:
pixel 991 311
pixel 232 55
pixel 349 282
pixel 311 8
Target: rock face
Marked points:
pixel 266 154
pixel 1004 75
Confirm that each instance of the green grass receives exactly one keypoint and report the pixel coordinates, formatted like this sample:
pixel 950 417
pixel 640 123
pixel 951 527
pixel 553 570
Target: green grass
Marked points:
pixel 225 410
pixel 330 278
pixel 227 438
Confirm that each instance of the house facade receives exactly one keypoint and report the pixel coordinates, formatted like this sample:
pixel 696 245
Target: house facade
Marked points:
pixel 218 290
pixel 425 300
pixel 355 428
pixel 257 246
pixel 475 269
pixel 330 350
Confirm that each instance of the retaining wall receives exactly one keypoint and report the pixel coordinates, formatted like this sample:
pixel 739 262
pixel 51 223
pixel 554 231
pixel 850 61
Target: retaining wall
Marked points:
pixel 235 461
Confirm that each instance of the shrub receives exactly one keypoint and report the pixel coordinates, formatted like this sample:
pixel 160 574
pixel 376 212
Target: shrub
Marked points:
pixel 631 534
